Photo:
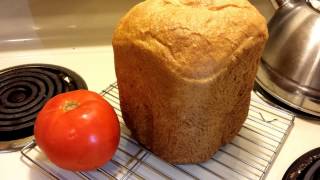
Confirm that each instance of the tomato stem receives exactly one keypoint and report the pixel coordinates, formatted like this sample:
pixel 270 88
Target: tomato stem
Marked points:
pixel 70 105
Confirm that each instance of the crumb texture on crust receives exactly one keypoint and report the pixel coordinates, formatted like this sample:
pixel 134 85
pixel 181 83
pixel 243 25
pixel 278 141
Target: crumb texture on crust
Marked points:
pixel 185 70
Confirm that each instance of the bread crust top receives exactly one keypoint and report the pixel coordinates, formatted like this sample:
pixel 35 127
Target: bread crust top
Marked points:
pixel 193 39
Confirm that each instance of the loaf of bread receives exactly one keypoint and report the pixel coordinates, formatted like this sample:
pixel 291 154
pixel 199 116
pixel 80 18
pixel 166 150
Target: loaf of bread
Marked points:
pixel 185 70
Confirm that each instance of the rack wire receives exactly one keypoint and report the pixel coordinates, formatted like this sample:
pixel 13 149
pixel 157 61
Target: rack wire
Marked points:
pixel 248 156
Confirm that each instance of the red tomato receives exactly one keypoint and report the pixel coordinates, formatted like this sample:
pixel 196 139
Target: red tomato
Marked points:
pixel 77 130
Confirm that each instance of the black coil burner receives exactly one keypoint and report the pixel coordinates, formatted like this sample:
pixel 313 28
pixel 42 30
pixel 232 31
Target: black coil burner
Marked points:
pixel 23 92
pixel 306 167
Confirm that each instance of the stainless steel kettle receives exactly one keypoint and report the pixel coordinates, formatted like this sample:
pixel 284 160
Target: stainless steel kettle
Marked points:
pixel 290 66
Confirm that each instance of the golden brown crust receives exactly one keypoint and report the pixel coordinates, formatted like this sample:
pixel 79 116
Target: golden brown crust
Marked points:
pixel 185 69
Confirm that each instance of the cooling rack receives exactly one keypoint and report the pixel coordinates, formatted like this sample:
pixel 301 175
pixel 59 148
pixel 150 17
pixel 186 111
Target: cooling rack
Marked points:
pixel 248 156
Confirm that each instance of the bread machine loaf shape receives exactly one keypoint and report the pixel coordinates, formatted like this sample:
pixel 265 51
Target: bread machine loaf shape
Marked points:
pixel 185 70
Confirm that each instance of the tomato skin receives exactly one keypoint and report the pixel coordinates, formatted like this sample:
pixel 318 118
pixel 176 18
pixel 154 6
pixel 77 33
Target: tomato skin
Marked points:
pixel 77 130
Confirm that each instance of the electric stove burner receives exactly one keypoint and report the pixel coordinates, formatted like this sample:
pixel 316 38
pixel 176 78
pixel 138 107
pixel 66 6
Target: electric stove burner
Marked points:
pixel 306 167
pixel 23 92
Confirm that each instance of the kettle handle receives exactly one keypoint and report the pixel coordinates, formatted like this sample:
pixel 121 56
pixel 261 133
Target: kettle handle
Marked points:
pixel 280 3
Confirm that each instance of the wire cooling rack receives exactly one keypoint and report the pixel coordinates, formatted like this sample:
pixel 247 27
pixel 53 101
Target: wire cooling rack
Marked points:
pixel 248 156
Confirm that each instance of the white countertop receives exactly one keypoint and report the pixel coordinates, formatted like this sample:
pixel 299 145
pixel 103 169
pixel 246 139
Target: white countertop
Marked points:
pixel 95 65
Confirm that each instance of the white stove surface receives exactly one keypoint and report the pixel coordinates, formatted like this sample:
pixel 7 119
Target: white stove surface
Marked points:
pixel 93 63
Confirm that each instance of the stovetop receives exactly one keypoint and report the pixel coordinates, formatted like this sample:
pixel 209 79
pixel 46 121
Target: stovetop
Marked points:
pixel 77 36
pixel 93 64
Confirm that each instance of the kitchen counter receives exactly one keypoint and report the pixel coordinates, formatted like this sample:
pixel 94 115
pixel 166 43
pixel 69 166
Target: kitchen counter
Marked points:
pixel 95 65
